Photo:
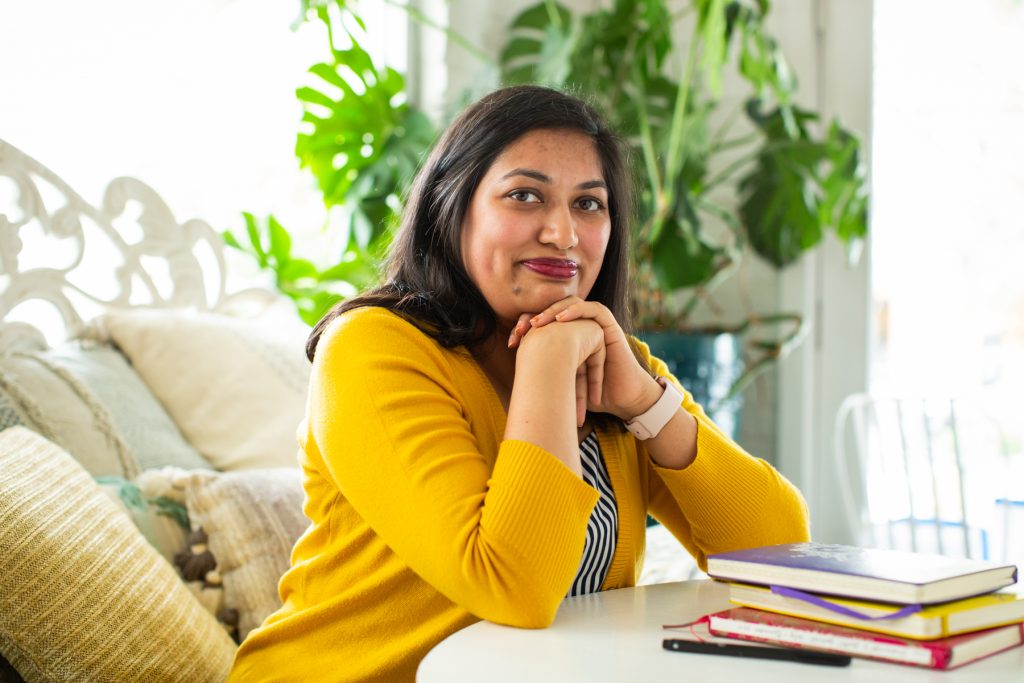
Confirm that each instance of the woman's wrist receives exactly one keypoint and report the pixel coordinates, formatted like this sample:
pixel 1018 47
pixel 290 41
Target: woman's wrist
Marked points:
pixel 649 394
pixel 675 447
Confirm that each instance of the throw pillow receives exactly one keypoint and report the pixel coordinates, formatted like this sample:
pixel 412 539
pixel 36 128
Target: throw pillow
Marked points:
pixel 61 408
pixel 251 519
pixel 9 416
pixel 236 387
pixel 147 429
pixel 82 595
pixel 161 521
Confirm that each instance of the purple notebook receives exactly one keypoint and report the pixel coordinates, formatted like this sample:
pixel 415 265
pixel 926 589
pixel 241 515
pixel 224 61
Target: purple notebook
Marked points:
pixel 870 573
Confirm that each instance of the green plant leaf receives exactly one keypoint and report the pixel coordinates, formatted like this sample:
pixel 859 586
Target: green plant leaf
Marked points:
pixel 347 132
pixel 537 17
pixel 230 239
pixel 779 205
pixel 255 241
pixel 539 51
pixel 844 205
pixel 280 242
pixel 799 187
pixel 712 28
pixel 681 260
pixel 296 270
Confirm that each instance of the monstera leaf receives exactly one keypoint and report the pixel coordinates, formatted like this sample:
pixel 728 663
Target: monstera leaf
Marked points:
pixel 361 142
pixel 680 259
pixel 780 202
pixel 799 187
pixel 541 42
pixel 844 205
pixel 346 131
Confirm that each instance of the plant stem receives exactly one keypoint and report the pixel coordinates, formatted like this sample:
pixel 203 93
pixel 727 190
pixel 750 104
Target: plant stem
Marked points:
pixel 453 35
pixel 726 172
pixel 674 162
pixel 727 125
pixel 727 217
pixel 647 145
pixel 553 16
pixel 620 75
pixel 735 142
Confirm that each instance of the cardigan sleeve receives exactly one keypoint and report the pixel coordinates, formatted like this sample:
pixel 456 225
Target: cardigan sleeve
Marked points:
pixel 387 417
pixel 725 499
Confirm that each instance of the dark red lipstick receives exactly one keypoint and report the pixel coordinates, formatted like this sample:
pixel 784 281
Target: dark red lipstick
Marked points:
pixel 553 267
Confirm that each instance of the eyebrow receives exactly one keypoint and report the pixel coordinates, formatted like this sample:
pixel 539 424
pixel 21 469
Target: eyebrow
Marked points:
pixel 544 178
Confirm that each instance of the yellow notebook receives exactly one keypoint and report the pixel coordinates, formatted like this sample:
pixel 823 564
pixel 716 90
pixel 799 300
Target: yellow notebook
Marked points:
pixel 933 621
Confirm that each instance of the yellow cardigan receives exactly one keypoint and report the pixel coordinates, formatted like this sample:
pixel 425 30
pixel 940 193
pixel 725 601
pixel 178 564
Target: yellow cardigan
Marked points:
pixel 425 521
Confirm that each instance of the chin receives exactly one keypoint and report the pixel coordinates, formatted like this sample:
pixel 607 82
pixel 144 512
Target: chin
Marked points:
pixel 539 301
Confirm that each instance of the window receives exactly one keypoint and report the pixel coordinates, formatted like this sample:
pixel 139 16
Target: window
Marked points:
pixel 194 97
pixel 948 240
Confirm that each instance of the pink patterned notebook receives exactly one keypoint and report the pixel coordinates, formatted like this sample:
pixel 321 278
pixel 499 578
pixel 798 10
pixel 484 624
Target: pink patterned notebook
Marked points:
pixel 946 653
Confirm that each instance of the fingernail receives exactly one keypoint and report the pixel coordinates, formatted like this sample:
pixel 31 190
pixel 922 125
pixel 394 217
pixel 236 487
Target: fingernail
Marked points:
pixel 534 319
pixel 511 339
pixel 560 315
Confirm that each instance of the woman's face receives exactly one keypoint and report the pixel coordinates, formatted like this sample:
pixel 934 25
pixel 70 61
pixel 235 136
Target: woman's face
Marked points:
pixel 538 223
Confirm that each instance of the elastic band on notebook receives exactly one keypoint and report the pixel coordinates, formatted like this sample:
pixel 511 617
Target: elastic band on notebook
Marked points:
pixel 839 609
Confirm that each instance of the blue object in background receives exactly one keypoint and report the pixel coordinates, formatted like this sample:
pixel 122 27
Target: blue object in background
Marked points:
pixel 707 365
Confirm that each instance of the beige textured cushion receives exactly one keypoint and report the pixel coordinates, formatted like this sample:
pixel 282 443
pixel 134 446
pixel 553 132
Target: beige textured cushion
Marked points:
pixel 83 597
pixel 252 518
pixel 235 387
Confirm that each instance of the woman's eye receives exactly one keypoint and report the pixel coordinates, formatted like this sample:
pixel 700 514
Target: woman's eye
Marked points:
pixel 524 196
pixel 590 204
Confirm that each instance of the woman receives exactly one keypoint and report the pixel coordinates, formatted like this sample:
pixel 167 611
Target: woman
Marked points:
pixel 482 437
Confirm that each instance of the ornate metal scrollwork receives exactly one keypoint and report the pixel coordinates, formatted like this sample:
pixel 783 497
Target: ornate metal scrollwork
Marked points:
pixel 160 264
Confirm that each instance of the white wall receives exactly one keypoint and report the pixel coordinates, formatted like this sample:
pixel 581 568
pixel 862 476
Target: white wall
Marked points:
pixel 836 79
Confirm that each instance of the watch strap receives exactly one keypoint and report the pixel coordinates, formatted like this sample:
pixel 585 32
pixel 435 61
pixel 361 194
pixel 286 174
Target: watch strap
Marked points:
pixel 649 424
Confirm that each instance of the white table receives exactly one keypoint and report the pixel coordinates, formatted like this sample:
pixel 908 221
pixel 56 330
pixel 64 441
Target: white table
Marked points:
pixel 616 636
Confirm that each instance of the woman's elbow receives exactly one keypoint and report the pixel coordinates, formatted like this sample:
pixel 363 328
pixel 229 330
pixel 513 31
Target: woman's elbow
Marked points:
pixel 522 611
pixel 791 522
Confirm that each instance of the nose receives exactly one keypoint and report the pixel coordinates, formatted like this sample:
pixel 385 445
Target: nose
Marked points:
pixel 559 229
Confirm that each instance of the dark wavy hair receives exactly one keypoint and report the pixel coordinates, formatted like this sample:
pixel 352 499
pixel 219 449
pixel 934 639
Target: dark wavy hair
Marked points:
pixel 427 282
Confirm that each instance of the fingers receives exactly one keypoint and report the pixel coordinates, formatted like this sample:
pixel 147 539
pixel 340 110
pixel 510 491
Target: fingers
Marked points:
pixel 574 308
pixel 589 385
pixel 521 327
pixel 550 313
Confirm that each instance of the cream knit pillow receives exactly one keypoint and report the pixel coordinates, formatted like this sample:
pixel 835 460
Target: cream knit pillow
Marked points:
pixel 236 387
pixel 83 597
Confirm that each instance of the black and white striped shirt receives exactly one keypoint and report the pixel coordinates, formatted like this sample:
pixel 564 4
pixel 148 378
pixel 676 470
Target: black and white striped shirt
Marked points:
pixel 603 526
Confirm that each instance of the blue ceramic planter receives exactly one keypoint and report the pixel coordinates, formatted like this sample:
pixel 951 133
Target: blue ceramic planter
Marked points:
pixel 707 364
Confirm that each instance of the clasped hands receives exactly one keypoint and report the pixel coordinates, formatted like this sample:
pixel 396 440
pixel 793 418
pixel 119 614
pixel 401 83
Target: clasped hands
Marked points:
pixel 609 378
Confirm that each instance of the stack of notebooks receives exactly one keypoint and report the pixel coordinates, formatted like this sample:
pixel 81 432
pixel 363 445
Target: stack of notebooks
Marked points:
pixel 925 610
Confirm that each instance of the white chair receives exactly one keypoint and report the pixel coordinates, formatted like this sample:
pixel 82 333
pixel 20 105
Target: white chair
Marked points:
pixel 921 474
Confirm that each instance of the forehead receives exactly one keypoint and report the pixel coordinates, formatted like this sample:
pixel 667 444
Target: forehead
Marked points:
pixel 556 152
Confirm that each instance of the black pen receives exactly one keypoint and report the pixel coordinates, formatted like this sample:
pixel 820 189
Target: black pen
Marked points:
pixel 787 654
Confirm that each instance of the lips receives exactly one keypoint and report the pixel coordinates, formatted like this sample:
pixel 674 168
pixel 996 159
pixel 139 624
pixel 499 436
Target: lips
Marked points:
pixel 553 267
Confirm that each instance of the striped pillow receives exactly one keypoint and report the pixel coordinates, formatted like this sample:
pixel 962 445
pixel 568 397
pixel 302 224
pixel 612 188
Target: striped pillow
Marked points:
pixel 83 596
